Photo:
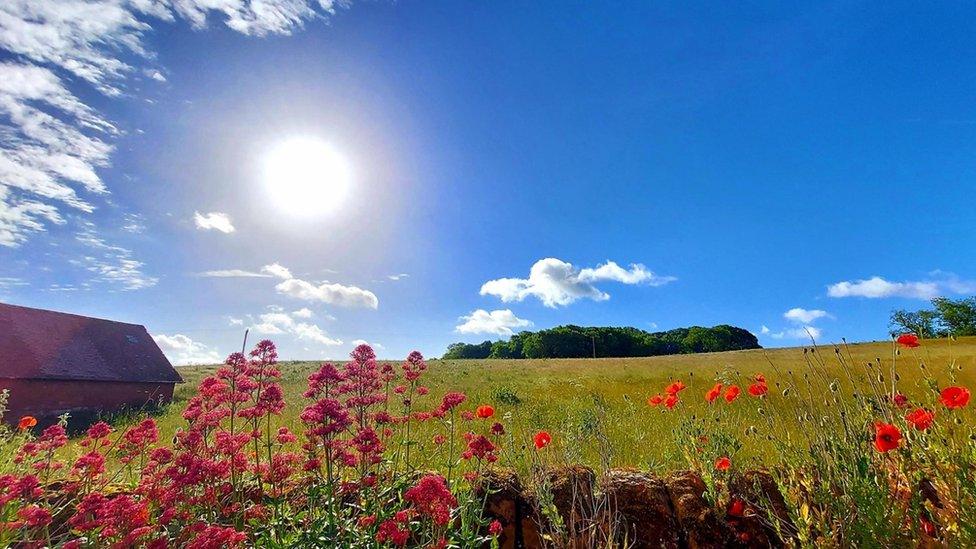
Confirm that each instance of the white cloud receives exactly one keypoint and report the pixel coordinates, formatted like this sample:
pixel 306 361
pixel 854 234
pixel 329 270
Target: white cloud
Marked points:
pixel 333 294
pixel 940 284
pixel 499 322
pixel 277 270
pixel 764 330
pixel 277 322
pixel 556 282
pixel 234 321
pixel 233 273
pixel 805 333
pixel 181 350
pixel 395 277
pixel 304 312
pixel 215 221
pixel 110 263
pixel 804 316
pixel 52 143
pixel 358 342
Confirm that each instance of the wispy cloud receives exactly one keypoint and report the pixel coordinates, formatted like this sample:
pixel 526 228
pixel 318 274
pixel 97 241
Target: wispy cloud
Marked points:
pixel 805 333
pixel 804 316
pixel 396 277
pixel 277 322
pixel 877 287
pixel 52 144
pixel 183 350
pixel 213 221
pixel 500 322
pixel 110 263
pixel 325 292
pixel 233 273
pixel 555 282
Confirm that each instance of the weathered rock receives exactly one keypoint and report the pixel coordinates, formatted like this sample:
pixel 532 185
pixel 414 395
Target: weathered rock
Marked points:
pixel 636 510
pixel 571 490
pixel 507 502
pixel 701 527
pixel 765 516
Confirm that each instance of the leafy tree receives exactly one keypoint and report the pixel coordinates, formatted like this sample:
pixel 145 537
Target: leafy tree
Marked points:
pixel 922 323
pixel 957 317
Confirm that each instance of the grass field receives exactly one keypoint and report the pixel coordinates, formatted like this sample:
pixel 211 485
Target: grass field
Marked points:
pixel 597 409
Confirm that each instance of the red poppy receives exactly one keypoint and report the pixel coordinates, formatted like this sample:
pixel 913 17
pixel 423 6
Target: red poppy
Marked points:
pixel 908 341
pixel 758 389
pixel 674 388
pixel 900 400
pixel 26 423
pixel 954 397
pixel 484 411
pixel 542 439
pixel 886 436
pixel 723 463
pixel 671 401
pixel 927 527
pixel 713 393
pixel 732 393
pixel 736 508
pixel 655 400
pixel 920 418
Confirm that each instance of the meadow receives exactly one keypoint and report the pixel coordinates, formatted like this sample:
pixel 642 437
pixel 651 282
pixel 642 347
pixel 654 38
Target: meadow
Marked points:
pixel 870 445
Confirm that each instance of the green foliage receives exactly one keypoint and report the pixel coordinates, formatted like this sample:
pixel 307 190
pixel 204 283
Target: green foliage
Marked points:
pixel 955 317
pixel 608 342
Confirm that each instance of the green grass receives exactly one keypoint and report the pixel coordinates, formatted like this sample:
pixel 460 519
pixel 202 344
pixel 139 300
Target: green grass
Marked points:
pixel 597 411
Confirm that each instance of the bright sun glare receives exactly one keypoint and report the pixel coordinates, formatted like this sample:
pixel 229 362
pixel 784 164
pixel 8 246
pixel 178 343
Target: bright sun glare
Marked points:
pixel 306 177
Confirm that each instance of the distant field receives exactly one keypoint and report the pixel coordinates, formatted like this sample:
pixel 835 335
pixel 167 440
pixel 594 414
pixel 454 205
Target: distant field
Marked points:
pixel 597 410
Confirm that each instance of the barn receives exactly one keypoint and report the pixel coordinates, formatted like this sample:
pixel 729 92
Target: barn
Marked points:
pixel 54 363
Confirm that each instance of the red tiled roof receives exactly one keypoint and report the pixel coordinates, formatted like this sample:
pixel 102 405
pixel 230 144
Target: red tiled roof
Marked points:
pixel 40 344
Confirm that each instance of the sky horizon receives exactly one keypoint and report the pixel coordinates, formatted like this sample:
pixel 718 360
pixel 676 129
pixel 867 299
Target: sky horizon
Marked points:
pixel 410 176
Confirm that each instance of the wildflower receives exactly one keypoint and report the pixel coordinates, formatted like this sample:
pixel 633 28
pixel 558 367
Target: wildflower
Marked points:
pixel 432 498
pixel 732 393
pixel 495 528
pixel 467 415
pixel 655 400
pixel 367 521
pixel 713 393
pixel 736 508
pixel 439 439
pixel 497 429
pixel 452 400
pixel 920 418
pixel 99 430
pixel 900 400
pixel 886 436
pixel 26 423
pixel 954 397
pixel 723 463
pixel 485 411
pixel 675 388
pixel 908 341
pixel 34 516
pixel 759 387
pixel 480 447
pixel 927 527
pixel 671 401
pixel 542 439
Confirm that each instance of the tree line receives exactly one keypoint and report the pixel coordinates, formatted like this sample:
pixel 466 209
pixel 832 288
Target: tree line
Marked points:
pixel 947 317
pixel 587 342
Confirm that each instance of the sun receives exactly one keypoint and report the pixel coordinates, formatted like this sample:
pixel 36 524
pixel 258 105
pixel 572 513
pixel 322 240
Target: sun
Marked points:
pixel 306 177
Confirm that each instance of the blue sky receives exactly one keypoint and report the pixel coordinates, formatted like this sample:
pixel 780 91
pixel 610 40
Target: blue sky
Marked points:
pixel 771 166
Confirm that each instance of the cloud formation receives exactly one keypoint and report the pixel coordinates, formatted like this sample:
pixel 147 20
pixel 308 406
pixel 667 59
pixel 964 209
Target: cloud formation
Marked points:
pixel 877 287
pixel 806 333
pixel 213 221
pixel 555 282
pixel 111 264
pixel 804 316
pixel 52 143
pixel 279 322
pixel 500 322
pixel 182 350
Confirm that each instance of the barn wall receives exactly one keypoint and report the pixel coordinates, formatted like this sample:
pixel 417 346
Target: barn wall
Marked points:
pixel 47 399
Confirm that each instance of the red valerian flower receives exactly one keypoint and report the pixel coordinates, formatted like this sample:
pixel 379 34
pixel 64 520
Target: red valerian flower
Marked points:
pixel 887 437
pixel 732 393
pixel 671 401
pixel 675 388
pixel 26 423
pixel 900 400
pixel 484 411
pixel 954 397
pixel 431 498
pixel 542 439
pixel 723 463
pixel 713 393
pixel 920 418
pixel 908 341
pixel 495 528
pixel 497 429
pixel 655 400
pixel 452 400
